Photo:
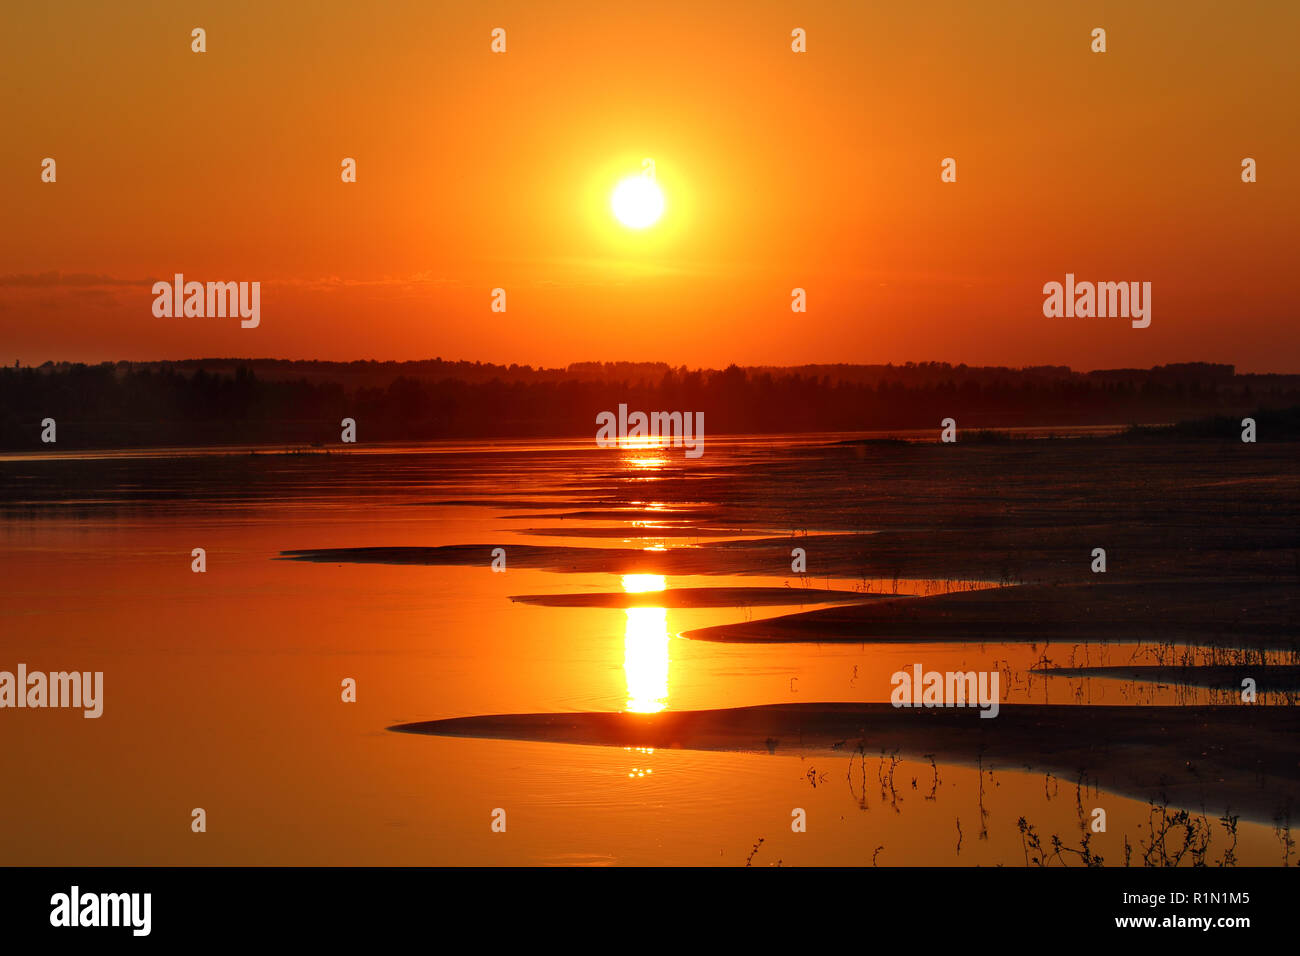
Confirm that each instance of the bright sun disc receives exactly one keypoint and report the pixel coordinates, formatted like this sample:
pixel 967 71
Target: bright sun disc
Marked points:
pixel 638 202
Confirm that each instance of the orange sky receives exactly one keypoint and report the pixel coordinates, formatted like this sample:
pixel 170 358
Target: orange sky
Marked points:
pixel 818 170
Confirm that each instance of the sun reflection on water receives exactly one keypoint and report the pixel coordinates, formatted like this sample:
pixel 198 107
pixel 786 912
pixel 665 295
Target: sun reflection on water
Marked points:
pixel 644 454
pixel 641 583
pixel 645 463
pixel 645 648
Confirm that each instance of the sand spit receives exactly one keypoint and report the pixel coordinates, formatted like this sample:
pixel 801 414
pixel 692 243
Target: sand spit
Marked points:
pixel 724 558
pixel 698 597
pixel 641 531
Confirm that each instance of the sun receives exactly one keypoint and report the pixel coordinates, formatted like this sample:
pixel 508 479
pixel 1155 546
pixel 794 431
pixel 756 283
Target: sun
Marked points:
pixel 638 202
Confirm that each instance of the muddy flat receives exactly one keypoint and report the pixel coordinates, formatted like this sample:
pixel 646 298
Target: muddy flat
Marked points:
pixel 1274 678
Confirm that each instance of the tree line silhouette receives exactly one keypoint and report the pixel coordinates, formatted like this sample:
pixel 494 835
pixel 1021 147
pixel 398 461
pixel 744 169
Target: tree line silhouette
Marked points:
pixel 220 401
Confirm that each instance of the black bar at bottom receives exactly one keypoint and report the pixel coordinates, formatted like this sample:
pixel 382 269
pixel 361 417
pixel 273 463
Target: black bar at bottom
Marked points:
pixel 306 905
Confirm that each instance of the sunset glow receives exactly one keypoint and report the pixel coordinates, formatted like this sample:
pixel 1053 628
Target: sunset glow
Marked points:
pixel 774 170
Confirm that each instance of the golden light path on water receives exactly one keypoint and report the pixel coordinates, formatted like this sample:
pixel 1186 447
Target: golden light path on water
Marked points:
pixel 654 446
pixel 645 648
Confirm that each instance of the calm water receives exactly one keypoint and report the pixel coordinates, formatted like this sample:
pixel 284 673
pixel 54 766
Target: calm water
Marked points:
pixel 222 690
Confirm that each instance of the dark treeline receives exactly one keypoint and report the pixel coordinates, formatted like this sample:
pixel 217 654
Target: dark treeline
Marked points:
pixel 263 401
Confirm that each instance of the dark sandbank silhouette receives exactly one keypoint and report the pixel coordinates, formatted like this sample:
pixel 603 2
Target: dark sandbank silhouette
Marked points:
pixel 1212 613
pixel 1238 758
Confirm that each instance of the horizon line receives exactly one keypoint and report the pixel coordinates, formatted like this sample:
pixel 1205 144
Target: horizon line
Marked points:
pixel 668 365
